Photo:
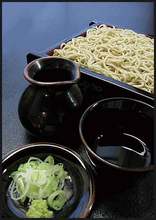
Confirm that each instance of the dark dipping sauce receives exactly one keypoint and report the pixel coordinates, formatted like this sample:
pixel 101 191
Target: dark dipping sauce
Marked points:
pixel 124 150
pixel 49 74
pixel 121 137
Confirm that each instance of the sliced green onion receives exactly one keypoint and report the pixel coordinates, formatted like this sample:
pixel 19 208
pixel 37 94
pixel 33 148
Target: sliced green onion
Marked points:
pixel 57 200
pixel 34 159
pixel 49 160
pixel 38 180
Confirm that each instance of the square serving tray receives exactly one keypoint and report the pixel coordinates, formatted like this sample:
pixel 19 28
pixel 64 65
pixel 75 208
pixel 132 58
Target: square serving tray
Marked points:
pixel 115 87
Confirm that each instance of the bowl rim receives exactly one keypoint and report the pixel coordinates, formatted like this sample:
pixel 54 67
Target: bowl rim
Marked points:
pixel 93 154
pixel 91 200
pixel 40 83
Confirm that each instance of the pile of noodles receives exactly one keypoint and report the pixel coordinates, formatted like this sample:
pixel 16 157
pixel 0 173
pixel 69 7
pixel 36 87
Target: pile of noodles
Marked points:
pixel 121 54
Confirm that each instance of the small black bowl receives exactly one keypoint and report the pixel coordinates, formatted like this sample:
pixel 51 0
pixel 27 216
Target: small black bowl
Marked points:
pixel 118 133
pixel 81 202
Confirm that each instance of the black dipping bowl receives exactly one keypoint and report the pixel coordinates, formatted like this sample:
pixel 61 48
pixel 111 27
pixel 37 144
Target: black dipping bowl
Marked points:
pixel 81 202
pixel 118 134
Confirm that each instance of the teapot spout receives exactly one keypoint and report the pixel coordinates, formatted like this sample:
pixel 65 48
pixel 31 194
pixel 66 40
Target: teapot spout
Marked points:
pixel 48 71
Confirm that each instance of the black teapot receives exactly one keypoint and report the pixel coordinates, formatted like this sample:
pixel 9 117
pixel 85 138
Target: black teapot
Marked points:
pixel 50 104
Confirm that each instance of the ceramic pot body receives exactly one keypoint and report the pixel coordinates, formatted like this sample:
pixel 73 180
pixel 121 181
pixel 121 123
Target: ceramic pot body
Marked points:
pixel 47 108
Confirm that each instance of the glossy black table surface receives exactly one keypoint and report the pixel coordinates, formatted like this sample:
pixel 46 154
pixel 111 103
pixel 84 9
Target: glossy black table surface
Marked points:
pixel 29 27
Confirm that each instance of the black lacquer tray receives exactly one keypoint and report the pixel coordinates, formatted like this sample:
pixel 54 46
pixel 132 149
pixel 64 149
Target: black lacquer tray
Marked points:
pixel 129 195
pixel 114 85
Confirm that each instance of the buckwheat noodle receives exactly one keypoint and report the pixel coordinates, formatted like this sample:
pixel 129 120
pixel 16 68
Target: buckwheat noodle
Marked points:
pixel 118 53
